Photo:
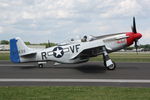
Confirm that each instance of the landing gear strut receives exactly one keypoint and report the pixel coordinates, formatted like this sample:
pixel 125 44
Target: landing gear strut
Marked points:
pixel 41 64
pixel 109 64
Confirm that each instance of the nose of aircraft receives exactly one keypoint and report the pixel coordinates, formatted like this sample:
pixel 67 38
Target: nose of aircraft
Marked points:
pixel 137 35
pixel 133 37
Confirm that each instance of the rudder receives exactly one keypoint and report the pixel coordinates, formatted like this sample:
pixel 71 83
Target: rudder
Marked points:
pixel 17 49
pixel 14 53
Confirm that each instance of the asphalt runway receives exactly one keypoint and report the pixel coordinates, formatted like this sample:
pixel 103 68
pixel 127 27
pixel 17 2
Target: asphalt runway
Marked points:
pixel 86 74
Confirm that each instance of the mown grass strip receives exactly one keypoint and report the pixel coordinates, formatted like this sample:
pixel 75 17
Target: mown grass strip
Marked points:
pixel 74 93
pixel 4 56
pixel 126 57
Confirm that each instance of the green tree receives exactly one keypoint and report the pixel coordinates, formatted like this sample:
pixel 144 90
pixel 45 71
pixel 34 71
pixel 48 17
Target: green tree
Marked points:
pixel 48 44
pixel 145 47
pixel 27 43
pixel 4 42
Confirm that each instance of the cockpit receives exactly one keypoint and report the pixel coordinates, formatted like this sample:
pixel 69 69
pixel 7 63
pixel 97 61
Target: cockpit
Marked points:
pixel 87 38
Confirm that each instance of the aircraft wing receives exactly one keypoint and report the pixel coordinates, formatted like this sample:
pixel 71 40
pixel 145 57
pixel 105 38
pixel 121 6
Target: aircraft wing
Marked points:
pixel 90 48
pixel 89 52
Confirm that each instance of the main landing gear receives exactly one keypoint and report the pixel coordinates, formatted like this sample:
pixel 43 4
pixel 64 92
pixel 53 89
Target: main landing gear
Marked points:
pixel 41 64
pixel 109 64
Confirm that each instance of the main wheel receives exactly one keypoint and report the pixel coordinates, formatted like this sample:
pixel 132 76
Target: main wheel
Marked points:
pixel 41 65
pixel 112 67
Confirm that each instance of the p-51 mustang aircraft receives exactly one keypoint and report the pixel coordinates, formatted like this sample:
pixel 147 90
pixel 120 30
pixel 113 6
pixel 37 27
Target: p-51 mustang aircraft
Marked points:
pixel 76 51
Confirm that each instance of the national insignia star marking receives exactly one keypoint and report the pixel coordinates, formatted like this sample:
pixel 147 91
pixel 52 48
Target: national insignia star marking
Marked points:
pixel 58 52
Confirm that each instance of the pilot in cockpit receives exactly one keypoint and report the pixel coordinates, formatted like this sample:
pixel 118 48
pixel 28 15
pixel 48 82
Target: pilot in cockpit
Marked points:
pixel 84 39
pixel 72 39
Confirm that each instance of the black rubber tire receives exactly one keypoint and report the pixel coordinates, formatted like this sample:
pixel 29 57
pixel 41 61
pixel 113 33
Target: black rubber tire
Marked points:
pixel 41 65
pixel 113 67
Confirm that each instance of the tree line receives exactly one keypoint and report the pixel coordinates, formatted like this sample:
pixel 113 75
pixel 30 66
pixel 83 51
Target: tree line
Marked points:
pixel 145 47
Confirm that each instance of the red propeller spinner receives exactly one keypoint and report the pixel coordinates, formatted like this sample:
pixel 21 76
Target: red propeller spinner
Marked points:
pixel 132 37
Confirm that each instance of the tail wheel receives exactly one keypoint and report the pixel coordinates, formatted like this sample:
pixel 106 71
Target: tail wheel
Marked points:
pixel 41 65
pixel 112 67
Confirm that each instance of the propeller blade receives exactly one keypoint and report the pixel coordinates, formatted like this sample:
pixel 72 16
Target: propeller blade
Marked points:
pixel 135 31
pixel 134 26
pixel 136 46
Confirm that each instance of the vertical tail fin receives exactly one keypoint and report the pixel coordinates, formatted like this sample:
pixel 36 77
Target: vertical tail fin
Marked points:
pixel 17 48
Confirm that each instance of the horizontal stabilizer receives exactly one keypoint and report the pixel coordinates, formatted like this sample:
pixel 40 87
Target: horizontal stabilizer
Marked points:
pixel 28 54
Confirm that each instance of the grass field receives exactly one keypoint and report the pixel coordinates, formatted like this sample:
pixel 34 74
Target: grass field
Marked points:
pixel 117 57
pixel 4 56
pixel 126 57
pixel 73 93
